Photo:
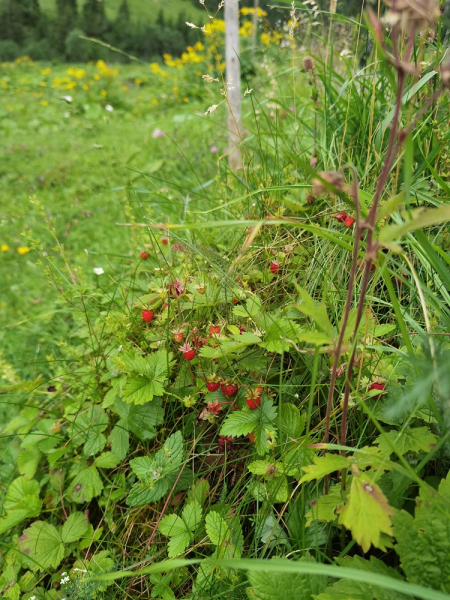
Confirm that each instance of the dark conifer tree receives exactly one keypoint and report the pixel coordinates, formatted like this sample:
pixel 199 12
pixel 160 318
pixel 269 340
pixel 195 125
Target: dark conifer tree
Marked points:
pixel 66 21
pixel 94 18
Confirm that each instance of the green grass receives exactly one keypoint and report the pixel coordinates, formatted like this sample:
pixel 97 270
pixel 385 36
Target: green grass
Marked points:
pixel 142 10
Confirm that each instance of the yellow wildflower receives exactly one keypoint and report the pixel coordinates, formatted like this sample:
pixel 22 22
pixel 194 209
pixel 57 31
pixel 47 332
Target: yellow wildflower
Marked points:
pixel 23 250
pixel 4 248
pixel 43 103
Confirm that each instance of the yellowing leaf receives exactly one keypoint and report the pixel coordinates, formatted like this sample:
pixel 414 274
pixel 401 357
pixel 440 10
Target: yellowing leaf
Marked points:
pixel 324 465
pixel 367 513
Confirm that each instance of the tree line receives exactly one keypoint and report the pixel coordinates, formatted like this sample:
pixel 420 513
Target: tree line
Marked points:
pixel 26 29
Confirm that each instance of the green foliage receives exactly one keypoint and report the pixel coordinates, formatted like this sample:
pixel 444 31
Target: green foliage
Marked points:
pixel 181 530
pixel 276 586
pixel 423 540
pixel 156 474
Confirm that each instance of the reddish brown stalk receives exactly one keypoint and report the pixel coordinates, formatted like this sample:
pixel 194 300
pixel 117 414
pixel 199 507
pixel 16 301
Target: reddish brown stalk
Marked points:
pixel 395 142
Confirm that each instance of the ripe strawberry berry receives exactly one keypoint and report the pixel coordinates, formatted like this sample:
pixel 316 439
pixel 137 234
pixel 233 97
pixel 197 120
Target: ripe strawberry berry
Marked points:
pixel 377 386
pixel 340 217
pixel 147 315
pixel 188 351
pixel 254 402
pixel 275 267
pixel 214 329
pixel 348 221
pixel 212 386
pixel 144 255
pixel 228 389
pixel 164 241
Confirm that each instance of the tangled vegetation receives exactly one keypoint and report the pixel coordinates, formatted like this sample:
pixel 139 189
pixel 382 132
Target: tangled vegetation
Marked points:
pixel 251 399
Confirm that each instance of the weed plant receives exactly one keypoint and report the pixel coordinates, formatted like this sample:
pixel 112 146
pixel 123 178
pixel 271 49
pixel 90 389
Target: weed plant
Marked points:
pixel 254 401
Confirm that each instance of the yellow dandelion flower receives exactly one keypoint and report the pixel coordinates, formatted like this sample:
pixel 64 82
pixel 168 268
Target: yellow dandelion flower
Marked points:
pixel 43 103
pixel 46 71
pixel 103 93
pixel 43 84
pixel 4 248
pixel 23 250
pixel 85 87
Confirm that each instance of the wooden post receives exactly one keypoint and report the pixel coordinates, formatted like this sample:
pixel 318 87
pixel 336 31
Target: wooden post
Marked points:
pixel 233 75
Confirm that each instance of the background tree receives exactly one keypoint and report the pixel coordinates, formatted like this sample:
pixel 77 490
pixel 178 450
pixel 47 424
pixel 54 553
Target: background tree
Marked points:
pixel 66 20
pixel 95 23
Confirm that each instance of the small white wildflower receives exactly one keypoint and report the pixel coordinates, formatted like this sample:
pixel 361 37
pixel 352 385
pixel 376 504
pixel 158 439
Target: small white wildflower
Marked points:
pixel 211 109
pixel 98 270
pixel 247 91
pixel 67 99
pixel 191 25
pixel 209 79
pixel 222 2
pixel 65 580
pixel 109 108
pixel 33 598
pixel 62 574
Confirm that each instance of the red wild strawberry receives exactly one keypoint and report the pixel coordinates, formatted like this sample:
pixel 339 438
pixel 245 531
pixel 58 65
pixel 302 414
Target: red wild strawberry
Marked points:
pixel 348 222
pixel 165 241
pixel 228 389
pixel 214 329
pixel 275 267
pixel 147 315
pixel 377 386
pixel 212 386
pixel 254 402
pixel 144 255
pixel 187 351
pixel 235 300
pixel 340 217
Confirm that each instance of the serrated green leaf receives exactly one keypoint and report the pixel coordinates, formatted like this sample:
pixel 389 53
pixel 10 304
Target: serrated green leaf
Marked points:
pixel 19 489
pixel 90 422
pixel 120 439
pixel 107 460
pixel 423 541
pixel 172 525
pixel 192 515
pixel 324 508
pixel 277 586
pixel 144 420
pixel 140 390
pixel 43 544
pixel 291 422
pixel 280 335
pixel 141 494
pixel 259 421
pixel 178 544
pixel 94 444
pixel 216 528
pixel 29 506
pixel 317 312
pixel 74 528
pixel 345 589
pixel 367 513
pixel 418 439
pixel 86 483
pixel 27 462
pixel 198 492
pixel 324 465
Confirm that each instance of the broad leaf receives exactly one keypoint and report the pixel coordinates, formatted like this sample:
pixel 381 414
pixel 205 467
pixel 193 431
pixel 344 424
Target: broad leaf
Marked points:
pixel 423 541
pixel 120 439
pixel 29 506
pixel 324 508
pixel 324 465
pixel 107 460
pixel 367 513
pixel 266 585
pixel 418 439
pixel 345 589
pixel 86 483
pixel 42 544
pixel 74 528
pixel 28 461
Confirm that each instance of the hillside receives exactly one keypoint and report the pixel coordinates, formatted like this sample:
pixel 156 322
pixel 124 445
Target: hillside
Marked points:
pixel 142 9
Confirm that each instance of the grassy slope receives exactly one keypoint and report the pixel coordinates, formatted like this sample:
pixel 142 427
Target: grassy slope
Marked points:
pixel 142 9
pixel 70 164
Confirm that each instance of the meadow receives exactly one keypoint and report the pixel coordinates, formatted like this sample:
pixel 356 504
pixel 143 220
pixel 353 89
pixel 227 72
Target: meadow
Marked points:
pixel 218 383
